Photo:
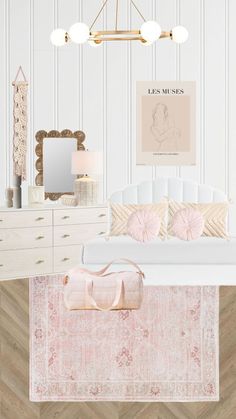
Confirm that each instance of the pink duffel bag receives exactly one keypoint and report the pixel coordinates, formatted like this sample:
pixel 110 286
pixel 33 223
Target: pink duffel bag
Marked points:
pixel 88 290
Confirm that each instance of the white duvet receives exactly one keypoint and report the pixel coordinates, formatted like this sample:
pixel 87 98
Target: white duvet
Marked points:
pixel 206 250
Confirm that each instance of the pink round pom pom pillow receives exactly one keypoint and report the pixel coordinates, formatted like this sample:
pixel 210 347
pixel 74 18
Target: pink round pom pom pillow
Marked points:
pixel 143 225
pixel 188 224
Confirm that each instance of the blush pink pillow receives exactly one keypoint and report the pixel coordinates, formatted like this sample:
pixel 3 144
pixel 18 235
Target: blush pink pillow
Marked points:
pixel 143 225
pixel 188 224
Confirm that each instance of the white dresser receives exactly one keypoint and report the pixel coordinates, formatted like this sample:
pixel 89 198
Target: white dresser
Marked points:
pixel 47 240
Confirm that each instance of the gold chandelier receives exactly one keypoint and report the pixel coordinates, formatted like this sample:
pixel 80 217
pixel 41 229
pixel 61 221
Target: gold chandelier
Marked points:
pixel 149 32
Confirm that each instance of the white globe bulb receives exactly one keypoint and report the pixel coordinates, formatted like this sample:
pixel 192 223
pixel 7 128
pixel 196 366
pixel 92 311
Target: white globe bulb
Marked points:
pixel 58 37
pixel 179 34
pixel 95 44
pixel 79 33
pixel 150 31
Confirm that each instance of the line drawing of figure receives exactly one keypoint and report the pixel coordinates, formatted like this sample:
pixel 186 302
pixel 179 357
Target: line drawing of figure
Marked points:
pixel 163 128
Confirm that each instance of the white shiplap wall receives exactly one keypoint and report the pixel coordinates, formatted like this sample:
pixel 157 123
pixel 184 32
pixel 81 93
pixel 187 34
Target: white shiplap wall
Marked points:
pixel 94 89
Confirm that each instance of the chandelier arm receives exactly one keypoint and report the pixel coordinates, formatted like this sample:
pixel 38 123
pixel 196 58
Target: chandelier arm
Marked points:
pixel 100 11
pixel 137 9
pixel 119 38
pixel 119 32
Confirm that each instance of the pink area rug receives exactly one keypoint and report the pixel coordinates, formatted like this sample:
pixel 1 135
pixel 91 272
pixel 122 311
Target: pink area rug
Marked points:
pixel 167 351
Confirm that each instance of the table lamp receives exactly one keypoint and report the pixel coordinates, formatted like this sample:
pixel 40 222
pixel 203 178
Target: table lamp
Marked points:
pixel 86 163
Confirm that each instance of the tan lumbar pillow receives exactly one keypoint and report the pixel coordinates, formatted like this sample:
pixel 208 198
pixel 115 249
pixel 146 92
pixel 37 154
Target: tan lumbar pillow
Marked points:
pixel 120 214
pixel 214 214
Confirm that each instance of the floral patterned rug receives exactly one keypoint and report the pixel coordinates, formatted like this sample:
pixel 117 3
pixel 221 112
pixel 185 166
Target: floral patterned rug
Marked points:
pixel 166 351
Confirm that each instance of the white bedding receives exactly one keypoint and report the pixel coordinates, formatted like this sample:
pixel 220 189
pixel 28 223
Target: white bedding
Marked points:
pixel 204 251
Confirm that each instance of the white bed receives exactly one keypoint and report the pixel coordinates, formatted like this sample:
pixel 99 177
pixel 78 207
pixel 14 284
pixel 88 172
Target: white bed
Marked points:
pixel 206 261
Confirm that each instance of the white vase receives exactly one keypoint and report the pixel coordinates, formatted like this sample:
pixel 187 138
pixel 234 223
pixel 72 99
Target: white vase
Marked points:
pixel 17 191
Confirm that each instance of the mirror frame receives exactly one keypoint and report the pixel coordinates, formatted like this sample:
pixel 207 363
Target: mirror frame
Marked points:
pixel 40 136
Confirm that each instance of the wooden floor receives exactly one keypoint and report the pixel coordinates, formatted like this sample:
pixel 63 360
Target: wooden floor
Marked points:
pixel 14 370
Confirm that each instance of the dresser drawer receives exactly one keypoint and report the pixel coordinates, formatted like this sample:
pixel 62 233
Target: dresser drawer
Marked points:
pixel 24 263
pixel 25 238
pixel 65 257
pixel 21 218
pixel 80 216
pixel 77 234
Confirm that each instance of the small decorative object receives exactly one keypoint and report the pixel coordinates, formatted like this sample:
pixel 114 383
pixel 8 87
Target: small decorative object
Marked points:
pixel 144 225
pixel 20 125
pixel 69 200
pixel 16 191
pixel 9 197
pixel 86 188
pixel 188 224
pixel 149 32
pixel 166 123
pixel 35 196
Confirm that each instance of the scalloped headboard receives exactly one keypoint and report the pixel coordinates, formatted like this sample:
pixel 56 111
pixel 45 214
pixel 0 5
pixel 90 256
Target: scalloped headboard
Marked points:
pixel 175 188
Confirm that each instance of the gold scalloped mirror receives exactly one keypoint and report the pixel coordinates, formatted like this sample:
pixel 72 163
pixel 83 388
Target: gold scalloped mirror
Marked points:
pixel 53 151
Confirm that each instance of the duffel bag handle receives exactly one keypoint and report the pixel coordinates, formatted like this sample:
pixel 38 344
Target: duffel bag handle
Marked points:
pixel 102 271
pixel 117 299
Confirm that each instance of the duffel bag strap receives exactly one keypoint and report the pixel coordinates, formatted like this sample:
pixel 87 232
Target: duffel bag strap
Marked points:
pixel 117 300
pixel 102 271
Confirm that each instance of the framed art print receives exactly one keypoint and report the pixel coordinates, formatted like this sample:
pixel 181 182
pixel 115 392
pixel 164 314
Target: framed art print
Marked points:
pixel 166 123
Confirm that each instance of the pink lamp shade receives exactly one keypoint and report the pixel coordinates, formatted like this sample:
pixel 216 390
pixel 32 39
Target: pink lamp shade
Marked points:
pixel 86 162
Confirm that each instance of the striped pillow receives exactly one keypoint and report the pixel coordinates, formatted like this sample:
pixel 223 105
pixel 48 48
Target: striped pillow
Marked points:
pixel 214 214
pixel 120 214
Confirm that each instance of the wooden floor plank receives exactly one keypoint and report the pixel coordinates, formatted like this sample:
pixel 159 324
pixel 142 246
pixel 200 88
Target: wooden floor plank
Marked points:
pixel 14 382
pixel 17 407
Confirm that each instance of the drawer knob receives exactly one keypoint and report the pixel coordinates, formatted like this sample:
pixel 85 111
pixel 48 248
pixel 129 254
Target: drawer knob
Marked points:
pixel 39 218
pixel 101 233
pixel 39 262
pixel 1 265
pixel 65 236
pixel 65 217
pixel 39 237
pixel 1 221
pixel 1 240
pixel 102 215
pixel 65 259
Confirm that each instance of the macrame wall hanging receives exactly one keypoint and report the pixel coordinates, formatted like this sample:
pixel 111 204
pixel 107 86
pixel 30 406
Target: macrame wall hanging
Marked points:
pixel 20 124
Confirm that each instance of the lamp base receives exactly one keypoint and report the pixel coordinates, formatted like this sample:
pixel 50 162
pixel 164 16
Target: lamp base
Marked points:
pixel 86 191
